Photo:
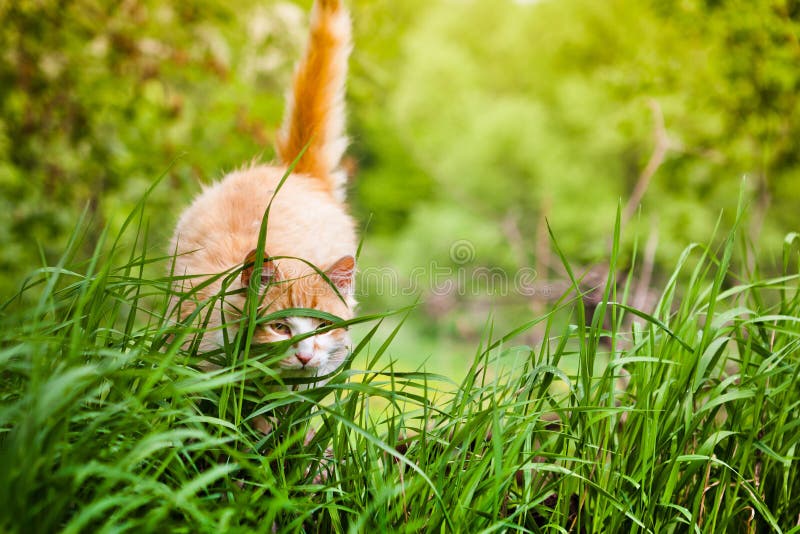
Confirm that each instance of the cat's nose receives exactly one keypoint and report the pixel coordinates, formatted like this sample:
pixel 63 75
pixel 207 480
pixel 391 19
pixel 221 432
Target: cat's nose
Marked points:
pixel 303 358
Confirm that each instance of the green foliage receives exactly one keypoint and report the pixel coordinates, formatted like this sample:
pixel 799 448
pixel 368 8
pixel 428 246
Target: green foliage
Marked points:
pixel 97 99
pixel 467 119
pixel 389 184
pixel 516 107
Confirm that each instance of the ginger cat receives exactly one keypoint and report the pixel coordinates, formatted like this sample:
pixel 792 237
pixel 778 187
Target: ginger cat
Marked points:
pixel 308 219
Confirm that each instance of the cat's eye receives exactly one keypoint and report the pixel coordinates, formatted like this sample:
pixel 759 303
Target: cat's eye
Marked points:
pixel 324 324
pixel 281 328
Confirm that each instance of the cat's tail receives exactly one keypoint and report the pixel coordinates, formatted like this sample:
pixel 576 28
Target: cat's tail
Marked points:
pixel 315 114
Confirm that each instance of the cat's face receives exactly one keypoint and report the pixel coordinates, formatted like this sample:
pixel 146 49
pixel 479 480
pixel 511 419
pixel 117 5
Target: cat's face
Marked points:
pixel 318 354
pixel 293 285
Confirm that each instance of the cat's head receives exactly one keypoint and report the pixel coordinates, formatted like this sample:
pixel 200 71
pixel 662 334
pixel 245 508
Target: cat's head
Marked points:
pixel 288 283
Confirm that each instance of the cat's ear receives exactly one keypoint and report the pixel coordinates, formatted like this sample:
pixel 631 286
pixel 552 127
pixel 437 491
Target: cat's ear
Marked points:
pixel 342 273
pixel 269 271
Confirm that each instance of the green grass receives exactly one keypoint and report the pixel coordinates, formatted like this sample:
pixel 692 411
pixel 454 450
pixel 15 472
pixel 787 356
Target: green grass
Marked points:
pixel 688 421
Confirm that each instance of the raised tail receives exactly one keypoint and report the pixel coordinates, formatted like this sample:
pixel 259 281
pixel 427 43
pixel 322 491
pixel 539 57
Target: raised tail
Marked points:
pixel 315 116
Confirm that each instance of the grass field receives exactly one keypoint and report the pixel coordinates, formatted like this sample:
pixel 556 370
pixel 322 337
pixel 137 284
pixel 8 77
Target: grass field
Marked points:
pixel 686 419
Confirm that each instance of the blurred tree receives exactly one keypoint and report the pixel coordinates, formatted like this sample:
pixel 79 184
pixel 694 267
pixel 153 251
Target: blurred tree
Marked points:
pixel 97 98
pixel 510 104
pixel 389 184
pixel 467 117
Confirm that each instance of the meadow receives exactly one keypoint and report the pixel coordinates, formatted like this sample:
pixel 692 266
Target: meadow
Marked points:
pixel 680 420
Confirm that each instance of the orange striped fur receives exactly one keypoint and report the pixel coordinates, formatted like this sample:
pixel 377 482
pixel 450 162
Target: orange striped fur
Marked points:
pixel 315 112
pixel 308 219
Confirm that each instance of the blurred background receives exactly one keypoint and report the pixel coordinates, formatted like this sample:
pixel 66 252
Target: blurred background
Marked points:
pixel 472 123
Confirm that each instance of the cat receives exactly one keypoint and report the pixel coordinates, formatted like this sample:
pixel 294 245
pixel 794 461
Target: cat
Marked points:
pixel 308 223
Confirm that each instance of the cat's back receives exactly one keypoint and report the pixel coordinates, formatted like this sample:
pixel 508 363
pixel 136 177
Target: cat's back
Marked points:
pixel 222 224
